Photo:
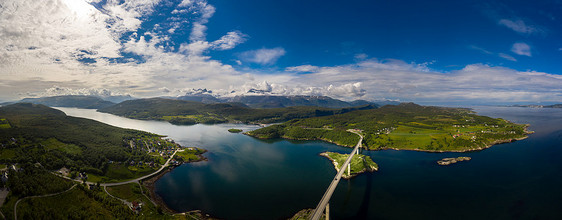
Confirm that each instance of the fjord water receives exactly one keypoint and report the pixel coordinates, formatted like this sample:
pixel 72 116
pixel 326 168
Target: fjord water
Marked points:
pixel 246 178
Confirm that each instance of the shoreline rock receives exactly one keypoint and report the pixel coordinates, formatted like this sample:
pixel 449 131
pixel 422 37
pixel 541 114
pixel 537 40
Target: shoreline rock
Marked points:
pixel 452 160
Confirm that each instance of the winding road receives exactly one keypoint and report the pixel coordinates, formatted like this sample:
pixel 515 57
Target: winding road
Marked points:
pixel 52 194
pixel 128 181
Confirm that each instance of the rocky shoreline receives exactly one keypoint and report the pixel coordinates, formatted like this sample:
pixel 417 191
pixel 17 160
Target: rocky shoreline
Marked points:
pixel 527 132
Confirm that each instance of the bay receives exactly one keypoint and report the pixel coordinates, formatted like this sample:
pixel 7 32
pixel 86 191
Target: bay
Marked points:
pixel 246 178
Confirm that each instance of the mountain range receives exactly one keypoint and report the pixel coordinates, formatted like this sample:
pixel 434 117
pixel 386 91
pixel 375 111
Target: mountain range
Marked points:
pixel 256 101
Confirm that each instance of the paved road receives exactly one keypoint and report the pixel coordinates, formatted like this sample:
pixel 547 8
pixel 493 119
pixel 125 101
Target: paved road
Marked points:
pixel 129 181
pixel 326 198
pixel 52 194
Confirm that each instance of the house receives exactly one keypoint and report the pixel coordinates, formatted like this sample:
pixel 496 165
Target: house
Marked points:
pixel 136 206
pixel 64 171
pixel 4 177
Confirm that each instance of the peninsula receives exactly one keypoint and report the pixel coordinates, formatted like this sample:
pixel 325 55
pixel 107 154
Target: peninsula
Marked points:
pixel 406 126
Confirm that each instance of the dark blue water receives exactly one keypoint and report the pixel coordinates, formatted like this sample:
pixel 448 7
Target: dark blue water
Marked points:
pixel 246 178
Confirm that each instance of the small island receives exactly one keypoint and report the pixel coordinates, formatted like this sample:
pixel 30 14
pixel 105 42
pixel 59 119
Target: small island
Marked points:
pixel 234 130
pixel 448 161
pixel 359 163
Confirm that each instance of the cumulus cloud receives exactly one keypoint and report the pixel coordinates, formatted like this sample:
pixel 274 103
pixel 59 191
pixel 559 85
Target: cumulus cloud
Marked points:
pixel 72 43
pixel 522 49
pixel 263 56
pixel 61 90
pixel 80 47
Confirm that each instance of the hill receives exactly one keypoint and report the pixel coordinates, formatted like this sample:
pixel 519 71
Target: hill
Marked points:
pixel 39 134
pixel 189 112
pixel 75 101
pixel 36 141
pixel 406 126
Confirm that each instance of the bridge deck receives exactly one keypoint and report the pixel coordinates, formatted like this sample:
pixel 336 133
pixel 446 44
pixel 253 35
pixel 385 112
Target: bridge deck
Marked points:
pixel 326 198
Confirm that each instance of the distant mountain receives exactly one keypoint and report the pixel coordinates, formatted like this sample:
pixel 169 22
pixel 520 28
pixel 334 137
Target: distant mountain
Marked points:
pixel 75 101
pixel 268 101
pixel 117 98
pixel 539 106
pixel 204 98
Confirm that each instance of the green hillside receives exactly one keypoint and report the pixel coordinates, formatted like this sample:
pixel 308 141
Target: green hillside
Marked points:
pixel 189 112
pixel 39 134
pixel 405 126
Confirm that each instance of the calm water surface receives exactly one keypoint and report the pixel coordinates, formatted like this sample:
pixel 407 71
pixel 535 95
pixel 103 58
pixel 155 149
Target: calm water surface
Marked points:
pixel 246 178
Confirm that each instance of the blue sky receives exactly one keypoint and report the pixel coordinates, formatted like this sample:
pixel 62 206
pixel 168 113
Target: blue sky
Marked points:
pixel 475 52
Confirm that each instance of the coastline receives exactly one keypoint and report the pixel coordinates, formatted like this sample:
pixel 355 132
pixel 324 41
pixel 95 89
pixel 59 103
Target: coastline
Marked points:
pixel 149 184
pixel 496 142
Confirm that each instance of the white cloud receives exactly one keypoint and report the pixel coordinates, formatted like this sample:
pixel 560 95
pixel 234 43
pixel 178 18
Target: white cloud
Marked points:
pixel 302 68
pixel 522 49
pixel 263 56
pixel 185 3
pixel 99 92
pixel 42 43
pixel 507 57
pixel 361 56
pixel 518 26
pixel 229 41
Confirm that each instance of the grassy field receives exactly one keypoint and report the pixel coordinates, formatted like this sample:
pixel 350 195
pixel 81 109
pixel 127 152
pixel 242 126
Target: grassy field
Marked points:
pixel 7 153
pixel 359 163
pixel 189 154
pixel 53 143
pixel 4 123
pixel 122 172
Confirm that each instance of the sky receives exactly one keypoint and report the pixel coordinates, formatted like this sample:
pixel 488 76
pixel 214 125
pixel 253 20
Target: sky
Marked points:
pixel 456 52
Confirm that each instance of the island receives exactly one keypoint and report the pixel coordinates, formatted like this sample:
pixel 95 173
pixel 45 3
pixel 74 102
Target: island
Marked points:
pixel 359 163
pixel 407 126
pixel 234 130
pixel 448 161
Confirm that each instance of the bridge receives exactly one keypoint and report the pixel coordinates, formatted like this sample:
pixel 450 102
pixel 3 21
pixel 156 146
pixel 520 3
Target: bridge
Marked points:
pixel 323 204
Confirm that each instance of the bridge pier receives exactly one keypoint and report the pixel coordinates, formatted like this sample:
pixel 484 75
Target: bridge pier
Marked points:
pixel 348 169
pixel 328 211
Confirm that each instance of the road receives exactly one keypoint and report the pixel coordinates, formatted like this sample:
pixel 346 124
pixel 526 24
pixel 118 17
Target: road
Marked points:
pixel 129 181
pixel 326 198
